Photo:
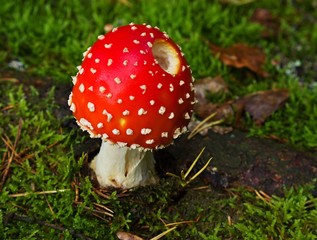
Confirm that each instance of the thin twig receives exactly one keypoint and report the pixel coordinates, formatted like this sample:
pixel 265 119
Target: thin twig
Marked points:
pixel 203 125
pixel 194 163
pixel 9 79
pixel 7 168
pixel 179 223
pixel 105 211
pixel 183 177
pixel 37 193
pixel 163 233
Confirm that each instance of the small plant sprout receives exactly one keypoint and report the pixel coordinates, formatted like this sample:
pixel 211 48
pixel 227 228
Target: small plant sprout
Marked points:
pixel 136 95
pixel 184 180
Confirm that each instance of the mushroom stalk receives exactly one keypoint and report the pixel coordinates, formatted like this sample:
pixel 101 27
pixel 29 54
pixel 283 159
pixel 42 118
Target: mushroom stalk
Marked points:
pixel 123 167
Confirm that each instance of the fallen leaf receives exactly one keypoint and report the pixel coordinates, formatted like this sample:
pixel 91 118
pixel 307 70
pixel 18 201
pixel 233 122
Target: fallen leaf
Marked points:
pixel 259 106
pixel 209 85
pixel 240 55
pixel 270 23
pixel 127 236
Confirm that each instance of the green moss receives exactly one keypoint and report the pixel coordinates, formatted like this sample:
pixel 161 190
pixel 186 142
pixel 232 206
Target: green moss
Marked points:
pixel 49 39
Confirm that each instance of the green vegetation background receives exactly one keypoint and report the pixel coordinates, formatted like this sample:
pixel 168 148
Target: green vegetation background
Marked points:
pixel 49 38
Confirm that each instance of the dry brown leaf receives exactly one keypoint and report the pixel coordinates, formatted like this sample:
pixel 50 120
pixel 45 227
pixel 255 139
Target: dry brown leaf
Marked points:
pixel 270 23
pixel 259 105
pixel 240 55
pixel 208 85
pixel 127 236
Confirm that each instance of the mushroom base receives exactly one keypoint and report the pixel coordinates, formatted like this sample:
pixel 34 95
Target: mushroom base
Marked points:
pixel 122 167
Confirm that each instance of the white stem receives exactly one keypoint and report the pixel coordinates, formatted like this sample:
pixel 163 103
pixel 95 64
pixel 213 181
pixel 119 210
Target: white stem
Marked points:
pixel 122 167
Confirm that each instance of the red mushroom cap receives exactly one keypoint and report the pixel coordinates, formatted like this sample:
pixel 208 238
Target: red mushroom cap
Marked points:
pixel 134 88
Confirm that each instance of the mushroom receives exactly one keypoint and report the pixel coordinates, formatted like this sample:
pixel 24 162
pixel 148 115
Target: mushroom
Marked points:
pixel 134 90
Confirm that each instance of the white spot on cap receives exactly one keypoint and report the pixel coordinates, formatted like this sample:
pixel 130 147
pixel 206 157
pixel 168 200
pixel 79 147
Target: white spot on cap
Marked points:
pixel 81 88
pixel 126 113
pixel 132 76
pixel 171 87
pixel 70 99
pixel 136 63
pixel 93 70
pixel 110 61
pixel 74 78
pixel 183 68
pixel 105 136
pixel 89 55
pixel 171 116
pixel 143 87
pixel 100 37
pixel 91 106
pixel 84 122
pixel 187 95
pixel 131 98
pixel 187 116
pixel 142 112
pixel 136 41
pixel 144 62
pixel 109 95
pixel 129 131
pixel 114 29
pixel 180 101
pixel 134 28
pixel 148 26
pixel 119 101
pixel 134 146
pixel 117 80
pixel 164 134
pixel 116 131
pixel 143 34
pixel 143 52
pixel 108 45
pixel 81 71
pixel 150 141
pixel 97 60
pixel 152 102
pixel 177 133
pixel 73 107
pixel 125 62
pixel 181 83
pixel 100 125
pixel 146 131
pixel 125 50
pixel 109 116
pixel 149 44
pixel 102 89
pixel 159 86
pixel 122 144
pixel 162 110
pixel 152 35
pixel 91 88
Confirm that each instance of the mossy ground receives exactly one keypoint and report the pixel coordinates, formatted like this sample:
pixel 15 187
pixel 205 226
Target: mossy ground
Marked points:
pixel 57 199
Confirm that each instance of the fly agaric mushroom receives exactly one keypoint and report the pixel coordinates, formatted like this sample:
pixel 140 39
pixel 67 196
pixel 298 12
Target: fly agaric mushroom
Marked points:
pixel 133 90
